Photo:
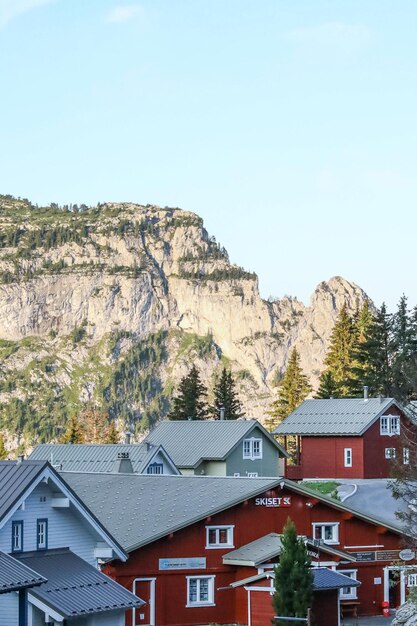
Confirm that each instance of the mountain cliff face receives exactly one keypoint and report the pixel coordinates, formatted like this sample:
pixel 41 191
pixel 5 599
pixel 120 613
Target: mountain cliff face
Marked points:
pixel 111 304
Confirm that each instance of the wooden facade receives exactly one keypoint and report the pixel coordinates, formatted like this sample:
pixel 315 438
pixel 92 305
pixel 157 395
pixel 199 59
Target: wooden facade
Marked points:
pixel 161 571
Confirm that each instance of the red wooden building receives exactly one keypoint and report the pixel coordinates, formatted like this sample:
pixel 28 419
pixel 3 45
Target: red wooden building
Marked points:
pixel 346 438
pixel 195 544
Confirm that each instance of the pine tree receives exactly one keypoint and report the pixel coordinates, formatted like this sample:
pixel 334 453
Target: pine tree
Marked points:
pixel 225 396
pixel 294 388
pixel 95 425
pixel 74 432
pixel 338 360
pixel 112 435
pixel 3 451
pixel 361 357
pixel 190 400
pixel 404 348
pixel 328 387
pixel 293 577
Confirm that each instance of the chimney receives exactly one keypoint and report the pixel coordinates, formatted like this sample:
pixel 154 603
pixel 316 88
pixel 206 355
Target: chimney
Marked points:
pixel 222 409
pixel 20 458
pixel 128 437
pixel 149 446
pixel 366 393
pixel 381 398
pixel 123 464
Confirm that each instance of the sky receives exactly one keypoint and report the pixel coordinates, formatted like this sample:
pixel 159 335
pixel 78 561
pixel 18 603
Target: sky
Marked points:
pixel 288 125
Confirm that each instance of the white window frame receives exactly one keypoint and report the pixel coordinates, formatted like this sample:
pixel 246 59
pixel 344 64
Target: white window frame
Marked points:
pixel 250 452
pixel 17 536
pixel 406 456
pixel 42 534
pixel 155 469
pixel 412 580
pixel 218 544
pixel 390 453
pixel 353 593
pixel 335 533
pixel 348 457
pixel 210 602
pixel 390 425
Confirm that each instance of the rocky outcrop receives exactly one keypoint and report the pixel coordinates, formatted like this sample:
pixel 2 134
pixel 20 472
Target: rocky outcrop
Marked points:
pixel 406 615
pixel 122 273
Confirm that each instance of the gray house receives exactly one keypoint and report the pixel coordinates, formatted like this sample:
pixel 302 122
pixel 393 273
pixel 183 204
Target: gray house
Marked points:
pixel 55 545
pixel 220 447
pixel 136 458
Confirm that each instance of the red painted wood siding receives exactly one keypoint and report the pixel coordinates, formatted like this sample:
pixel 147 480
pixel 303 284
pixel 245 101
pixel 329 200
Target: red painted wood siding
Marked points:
pixel 251 522
pixel 375 463
pixel 323 457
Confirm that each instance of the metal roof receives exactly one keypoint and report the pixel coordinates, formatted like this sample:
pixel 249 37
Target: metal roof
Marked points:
pixel 80 457
pixel 192 441
pixel 75 587
pixel 138 509
pixel 15 575
pixel 267 547
pixel 15 478
pixel 344 416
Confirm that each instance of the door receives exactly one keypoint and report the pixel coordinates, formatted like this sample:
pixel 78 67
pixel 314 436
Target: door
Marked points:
pixel 145 589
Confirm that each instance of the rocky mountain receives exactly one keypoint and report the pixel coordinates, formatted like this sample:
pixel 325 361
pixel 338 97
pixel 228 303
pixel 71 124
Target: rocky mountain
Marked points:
pixel 111 304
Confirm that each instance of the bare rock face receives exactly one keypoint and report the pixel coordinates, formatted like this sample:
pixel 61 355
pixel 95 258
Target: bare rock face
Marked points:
pixel 406 615
pixel 123 273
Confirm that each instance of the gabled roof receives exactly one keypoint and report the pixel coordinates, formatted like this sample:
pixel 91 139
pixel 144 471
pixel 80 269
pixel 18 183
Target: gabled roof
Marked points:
pixel 19 478
pixel 343 416
pixel 81 457
pixel 269 546
pixel 138 509
pixel 15 575
pixel 193 441
pixel 324 579
pixel 75 587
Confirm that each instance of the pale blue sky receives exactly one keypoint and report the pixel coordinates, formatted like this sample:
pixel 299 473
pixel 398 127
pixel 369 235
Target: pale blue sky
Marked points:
pixel 288 125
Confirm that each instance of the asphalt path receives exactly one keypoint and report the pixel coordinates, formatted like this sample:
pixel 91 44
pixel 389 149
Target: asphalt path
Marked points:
pixel 372 497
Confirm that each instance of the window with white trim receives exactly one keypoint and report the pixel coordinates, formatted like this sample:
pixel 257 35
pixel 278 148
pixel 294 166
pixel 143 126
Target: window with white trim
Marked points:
pixel 328 532
pixel 252 448
pixel 406 456
pixel 42 534
pixel 348 457
pixel 17 536
pixel 390 453
pixel 200 591
pixel 389 425
pixel 412 580
pixel 219 536
pixel 349 593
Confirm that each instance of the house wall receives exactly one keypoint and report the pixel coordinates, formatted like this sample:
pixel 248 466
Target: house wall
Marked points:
pixel 168 467
pixel 66 529
pixel 9 609
pixel 326 603
pixel 323 457
pixel 375 463
pixel 269 465
pixel 251 519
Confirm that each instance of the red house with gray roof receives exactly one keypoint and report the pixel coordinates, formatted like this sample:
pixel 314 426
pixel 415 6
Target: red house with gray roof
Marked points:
pixel 346 438
pixel 202 549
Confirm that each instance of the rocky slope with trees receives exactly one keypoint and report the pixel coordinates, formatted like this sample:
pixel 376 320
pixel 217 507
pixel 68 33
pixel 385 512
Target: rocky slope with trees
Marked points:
pixel 109 306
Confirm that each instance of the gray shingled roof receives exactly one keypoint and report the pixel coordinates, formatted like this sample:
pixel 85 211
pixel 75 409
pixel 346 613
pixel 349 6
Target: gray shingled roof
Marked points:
pixel 138 509
pixel 94 457
pixel 190 442
pixel 267 547
pixel 347 416
pixel 15 478
pixel 328 579
pixel 75 587
pixel 15 575
pixel 323 579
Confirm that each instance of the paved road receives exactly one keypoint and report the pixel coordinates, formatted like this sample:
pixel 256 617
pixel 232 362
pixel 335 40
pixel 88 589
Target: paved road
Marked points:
pixel 372 497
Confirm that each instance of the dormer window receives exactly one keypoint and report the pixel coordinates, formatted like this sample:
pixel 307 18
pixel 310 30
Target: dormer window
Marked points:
pixel 155 468
pixel 390 425
pixel 17 536
pixel 252 448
